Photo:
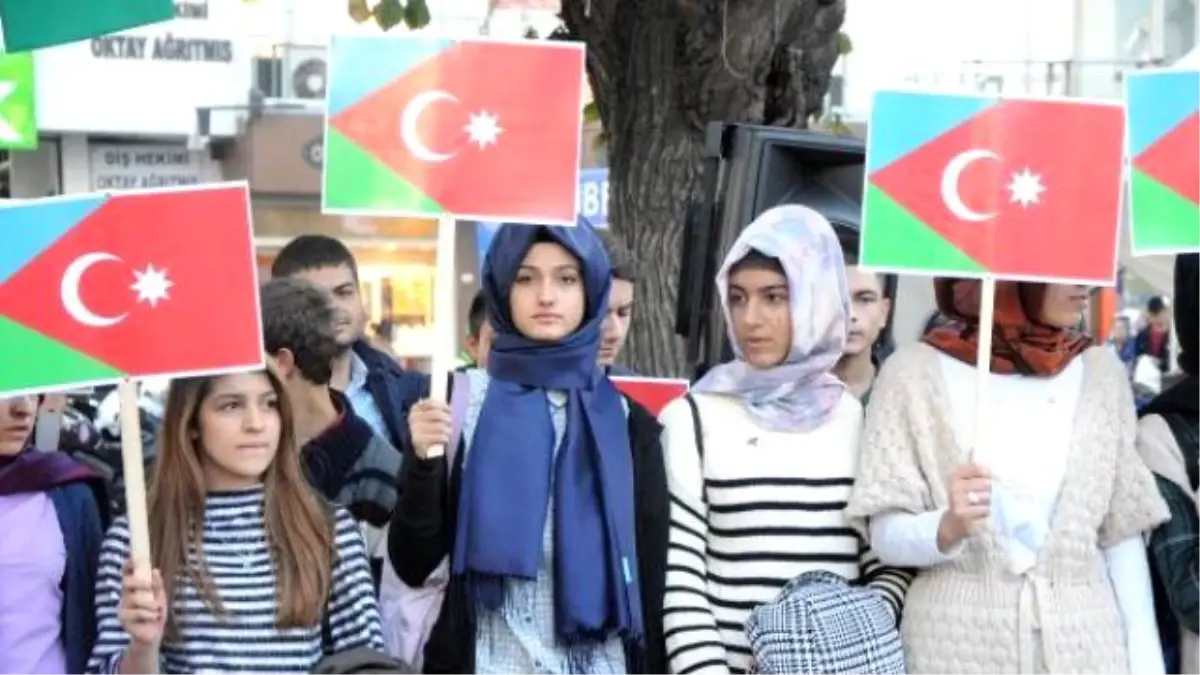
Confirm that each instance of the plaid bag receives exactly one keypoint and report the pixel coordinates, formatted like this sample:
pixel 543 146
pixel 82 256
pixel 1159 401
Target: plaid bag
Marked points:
pixel 819 623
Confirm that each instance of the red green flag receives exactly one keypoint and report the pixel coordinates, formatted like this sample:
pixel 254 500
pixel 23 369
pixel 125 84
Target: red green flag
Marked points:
pixel 1163 111
pixel 973 186
pixel 35 24
pixel 482 130
pixel 652 393
pixel 95 288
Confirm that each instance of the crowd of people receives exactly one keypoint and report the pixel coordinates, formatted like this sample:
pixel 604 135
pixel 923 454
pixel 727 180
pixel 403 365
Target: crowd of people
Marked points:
pixel 819 504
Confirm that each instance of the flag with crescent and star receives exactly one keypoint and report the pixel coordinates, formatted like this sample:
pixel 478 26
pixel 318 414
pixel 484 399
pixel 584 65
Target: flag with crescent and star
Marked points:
pixel 472 128
pixel 974 186
pixel 95 288
pixel 1162 109
pixel 653 393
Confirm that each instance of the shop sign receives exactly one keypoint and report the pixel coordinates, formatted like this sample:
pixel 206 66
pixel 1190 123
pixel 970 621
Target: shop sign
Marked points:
pixel 18 110
pixel 593 196
pixel 166 46
pixel 135 167
pixel 150 80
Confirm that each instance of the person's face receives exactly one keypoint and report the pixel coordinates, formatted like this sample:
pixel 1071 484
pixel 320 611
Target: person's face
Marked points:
pixel 351 315
pixel 761 315
pixel 547 299
pixel 868 310
pixel 1064 305
pixel 18 414
pixel 1161 320
pixel 617 321
pixel 479 346
pixel 1120 330
pixel 238 428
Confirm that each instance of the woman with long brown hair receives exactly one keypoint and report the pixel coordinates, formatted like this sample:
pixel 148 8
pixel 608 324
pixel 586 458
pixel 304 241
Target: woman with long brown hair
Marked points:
pixel 1029 536
pixel 252 572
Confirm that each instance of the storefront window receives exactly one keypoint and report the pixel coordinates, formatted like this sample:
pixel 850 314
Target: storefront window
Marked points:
pixel 396 266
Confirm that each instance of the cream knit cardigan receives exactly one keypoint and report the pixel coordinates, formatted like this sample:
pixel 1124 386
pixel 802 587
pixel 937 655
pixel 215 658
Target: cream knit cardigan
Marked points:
pixel 971 615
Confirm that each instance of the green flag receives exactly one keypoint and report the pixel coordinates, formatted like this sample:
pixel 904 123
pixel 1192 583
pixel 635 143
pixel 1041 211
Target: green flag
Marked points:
pixel 30 24
pixel 18 110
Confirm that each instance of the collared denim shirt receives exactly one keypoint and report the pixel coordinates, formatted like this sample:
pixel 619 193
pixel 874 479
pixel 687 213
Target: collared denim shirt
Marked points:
pixel 361 399
pixel 519 637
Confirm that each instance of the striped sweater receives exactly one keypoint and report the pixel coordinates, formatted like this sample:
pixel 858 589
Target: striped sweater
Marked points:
pixel 247 641
pixel 760 509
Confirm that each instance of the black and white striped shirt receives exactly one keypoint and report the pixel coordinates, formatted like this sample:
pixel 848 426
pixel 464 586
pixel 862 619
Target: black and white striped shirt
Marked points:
pixel 247 641
pixel 761 509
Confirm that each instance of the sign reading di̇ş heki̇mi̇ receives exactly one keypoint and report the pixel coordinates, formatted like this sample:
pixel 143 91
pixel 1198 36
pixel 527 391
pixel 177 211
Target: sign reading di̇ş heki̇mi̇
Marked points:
pixel 95 288
pixel 1162 109
pixel 472 128
pixel 974 186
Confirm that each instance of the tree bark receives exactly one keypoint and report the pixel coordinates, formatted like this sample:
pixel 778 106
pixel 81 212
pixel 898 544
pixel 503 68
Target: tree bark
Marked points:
pixel 660 70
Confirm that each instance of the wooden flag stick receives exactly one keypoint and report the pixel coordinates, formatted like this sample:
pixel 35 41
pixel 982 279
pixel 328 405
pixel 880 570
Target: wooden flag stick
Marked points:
pixel 983 364
pixel 135 479
pixel 445 314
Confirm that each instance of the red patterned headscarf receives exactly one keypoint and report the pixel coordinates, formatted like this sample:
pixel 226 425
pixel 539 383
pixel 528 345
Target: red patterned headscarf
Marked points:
pixel 1021 343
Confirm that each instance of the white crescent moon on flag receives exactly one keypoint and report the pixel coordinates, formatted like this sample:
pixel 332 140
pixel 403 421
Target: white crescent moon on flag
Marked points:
pixel 408 125
pixel 69 291
pixel 950 179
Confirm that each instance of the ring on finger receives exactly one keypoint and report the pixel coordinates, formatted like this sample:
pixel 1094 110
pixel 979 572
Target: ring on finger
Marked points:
pixel 972 498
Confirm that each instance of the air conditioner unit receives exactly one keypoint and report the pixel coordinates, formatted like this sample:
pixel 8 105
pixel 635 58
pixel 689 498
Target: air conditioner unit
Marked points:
pixel 306 75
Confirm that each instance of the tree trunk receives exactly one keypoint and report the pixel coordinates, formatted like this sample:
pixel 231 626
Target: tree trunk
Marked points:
pixel 660 70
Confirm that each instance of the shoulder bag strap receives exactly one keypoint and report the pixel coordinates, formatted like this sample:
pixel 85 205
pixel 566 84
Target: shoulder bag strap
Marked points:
pixel 1187 438
pixel 698 433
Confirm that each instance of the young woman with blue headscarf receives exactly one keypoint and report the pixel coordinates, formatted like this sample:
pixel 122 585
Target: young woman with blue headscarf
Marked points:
pixel 555 512
pixel 763 503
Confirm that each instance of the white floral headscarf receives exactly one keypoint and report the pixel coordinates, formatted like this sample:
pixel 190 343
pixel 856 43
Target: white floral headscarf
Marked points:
pixel 801 393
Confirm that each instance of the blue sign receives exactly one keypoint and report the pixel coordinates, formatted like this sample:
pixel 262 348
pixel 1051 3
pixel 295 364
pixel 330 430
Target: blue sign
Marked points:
pixel 592 200
pixel 593 196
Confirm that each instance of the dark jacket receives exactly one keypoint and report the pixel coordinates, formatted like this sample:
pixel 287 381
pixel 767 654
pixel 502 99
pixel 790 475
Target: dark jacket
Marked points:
pixel 1175 544
pixel 424 527
pixel 1162 357
pixel 394 389
pixel 82 515
pixel 352 466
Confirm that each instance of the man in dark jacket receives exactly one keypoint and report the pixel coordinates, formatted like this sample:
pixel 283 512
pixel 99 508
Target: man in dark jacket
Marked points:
pixel 620 304
pixel 1155 339
pixel 1169 443
pixel 378 389
pixel 479 331
pixel 345 460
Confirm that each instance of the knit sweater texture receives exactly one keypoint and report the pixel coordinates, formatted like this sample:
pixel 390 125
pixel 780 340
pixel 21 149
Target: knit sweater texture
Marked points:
pixel 972 615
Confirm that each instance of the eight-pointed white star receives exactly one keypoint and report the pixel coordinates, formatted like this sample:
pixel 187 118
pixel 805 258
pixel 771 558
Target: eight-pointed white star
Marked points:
pixel 1025 188
pixel 484 128
pixel 151 285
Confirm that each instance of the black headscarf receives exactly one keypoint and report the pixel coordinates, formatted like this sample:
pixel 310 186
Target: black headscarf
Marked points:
pixel 1184 396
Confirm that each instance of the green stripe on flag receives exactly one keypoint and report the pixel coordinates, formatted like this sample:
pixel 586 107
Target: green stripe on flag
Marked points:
pixel 30 24
pixel 1161 218
pixel 355 180
pixel 31 361
pixel 893 238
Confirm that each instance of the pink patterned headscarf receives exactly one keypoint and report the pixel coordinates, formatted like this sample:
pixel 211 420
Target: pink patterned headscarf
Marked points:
pixel 801 393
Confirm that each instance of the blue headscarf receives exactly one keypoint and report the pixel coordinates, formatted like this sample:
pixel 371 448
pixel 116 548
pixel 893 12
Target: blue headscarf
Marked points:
pixel 512 470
